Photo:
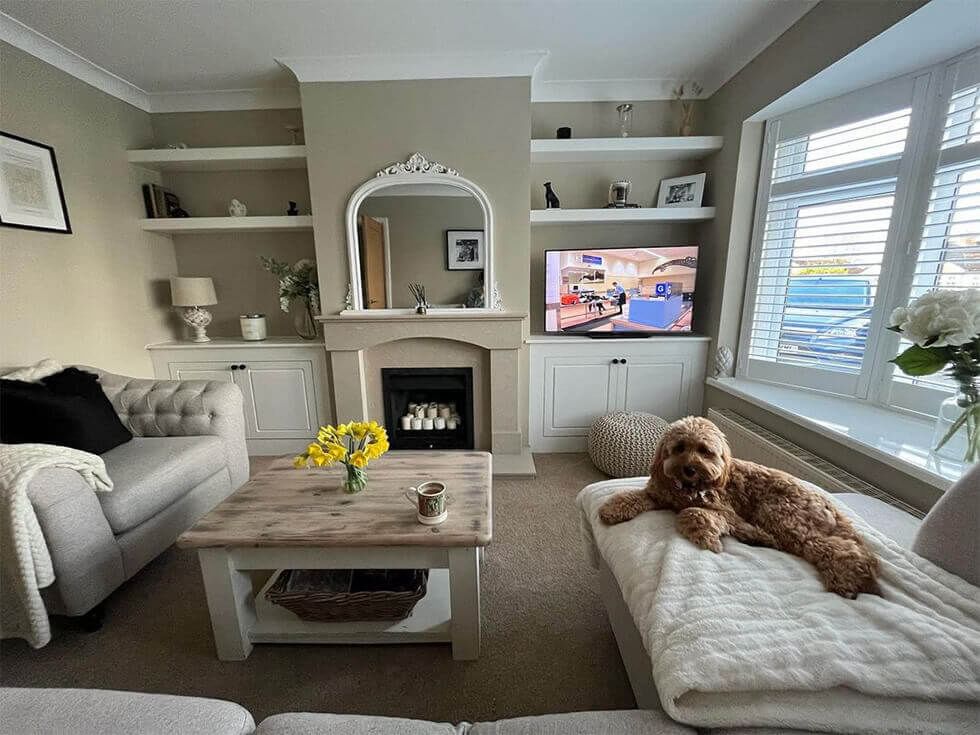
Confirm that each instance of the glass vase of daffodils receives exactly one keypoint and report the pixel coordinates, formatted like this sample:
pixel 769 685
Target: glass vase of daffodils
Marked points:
pixel 353 445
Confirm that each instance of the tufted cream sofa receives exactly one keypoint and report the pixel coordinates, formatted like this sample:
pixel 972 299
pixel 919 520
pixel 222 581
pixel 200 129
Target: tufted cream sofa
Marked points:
pixel 187 454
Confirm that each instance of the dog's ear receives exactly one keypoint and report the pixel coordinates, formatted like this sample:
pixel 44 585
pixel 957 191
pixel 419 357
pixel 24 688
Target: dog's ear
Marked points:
pixel 726 456
pixel 658 480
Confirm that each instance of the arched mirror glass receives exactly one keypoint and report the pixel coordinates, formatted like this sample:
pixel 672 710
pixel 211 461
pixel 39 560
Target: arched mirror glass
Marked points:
pixel 419 224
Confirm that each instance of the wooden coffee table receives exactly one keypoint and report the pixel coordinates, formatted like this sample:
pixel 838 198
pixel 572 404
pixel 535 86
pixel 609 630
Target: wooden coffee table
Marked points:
pixel 285 518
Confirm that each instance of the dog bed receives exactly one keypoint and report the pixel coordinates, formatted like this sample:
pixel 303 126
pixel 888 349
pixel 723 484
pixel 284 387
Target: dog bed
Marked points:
pixel 749 637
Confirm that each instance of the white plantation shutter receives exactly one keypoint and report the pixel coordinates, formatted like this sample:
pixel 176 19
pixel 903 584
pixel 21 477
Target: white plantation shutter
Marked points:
pixel 865 202
pixel 819 246
pixel 949 246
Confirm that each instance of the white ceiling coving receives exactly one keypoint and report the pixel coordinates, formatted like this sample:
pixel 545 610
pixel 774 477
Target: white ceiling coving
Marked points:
pixel 206 54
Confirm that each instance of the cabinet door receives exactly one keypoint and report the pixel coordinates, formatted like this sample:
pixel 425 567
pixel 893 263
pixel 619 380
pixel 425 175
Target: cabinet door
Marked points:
pixel 576 390
pixel 280 399
pixel 654 386
pixel 202 371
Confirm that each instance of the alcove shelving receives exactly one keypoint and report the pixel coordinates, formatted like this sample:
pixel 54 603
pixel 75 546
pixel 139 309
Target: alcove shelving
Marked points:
pixel 206 225
pixel 541 217
pixel 228 158
pixel 664 148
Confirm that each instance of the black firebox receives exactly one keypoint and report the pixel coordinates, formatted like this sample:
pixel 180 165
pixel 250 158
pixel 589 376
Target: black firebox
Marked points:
pixel 446 391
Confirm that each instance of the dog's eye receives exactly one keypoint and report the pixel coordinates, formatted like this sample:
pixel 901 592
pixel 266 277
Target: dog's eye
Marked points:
pixel 706 450
pixel 678 447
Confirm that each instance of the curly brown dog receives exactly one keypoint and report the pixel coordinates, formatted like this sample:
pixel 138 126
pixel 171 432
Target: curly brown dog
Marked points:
pixel 714 495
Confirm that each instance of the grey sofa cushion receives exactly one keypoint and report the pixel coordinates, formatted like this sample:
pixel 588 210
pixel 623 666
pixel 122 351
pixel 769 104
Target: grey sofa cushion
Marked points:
pixel 896 524
pixel 61 711
pixel 950 534
pixel 149 474
pixel 613 722
pixel 310 723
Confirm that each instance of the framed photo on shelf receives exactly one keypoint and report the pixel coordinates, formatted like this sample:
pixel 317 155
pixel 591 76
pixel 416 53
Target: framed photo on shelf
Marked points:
pixel 465 250
pixel 683 191
pixel 31 196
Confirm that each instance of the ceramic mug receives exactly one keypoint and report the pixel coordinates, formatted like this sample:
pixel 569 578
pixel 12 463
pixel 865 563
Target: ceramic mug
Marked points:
pixel 430 501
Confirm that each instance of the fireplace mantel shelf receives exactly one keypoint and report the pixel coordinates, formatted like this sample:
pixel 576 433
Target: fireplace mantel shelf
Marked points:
pixel 387 315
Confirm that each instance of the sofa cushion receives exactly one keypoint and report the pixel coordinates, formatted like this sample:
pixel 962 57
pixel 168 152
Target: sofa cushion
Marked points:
pixel 896 524
pixel 68 409
pixel 151 473
pixel 311 723
pixel 613 722
pixel 60 711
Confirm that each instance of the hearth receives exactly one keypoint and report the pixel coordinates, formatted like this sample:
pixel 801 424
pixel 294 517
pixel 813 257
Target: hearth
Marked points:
pixel 435 404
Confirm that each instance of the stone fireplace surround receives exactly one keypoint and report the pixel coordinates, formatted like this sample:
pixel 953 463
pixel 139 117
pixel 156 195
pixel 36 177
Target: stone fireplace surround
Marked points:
pixel 350 335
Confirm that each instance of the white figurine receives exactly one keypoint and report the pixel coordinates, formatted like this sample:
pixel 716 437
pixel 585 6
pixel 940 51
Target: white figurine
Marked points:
pixel 237 209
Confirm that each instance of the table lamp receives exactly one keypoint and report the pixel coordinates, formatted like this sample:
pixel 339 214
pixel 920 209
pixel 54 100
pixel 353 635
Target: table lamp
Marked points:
pixel 192 294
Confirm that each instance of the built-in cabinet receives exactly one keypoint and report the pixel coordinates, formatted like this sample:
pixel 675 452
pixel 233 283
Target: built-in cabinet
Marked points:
pixel 283 383
pixel 576 379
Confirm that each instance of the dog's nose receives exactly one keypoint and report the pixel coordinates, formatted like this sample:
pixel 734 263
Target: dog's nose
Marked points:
pixel 689 471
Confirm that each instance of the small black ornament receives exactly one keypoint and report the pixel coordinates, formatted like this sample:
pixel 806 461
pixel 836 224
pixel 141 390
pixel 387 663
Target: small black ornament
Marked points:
pixel 293 210
pixel 563 133
pixel 550 198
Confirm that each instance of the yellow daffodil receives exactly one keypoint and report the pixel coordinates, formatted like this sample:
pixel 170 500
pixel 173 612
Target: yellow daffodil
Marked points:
pixel 358 430
pixel 359 459
pixel 336 452
pixel 300 461
pixel 342 430
pixel 314 450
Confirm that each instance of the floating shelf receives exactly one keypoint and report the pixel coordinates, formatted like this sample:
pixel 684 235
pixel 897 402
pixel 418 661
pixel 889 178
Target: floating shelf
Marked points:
pixel 204 225
pixel 635 214
pixel 581 150
pixel 249 158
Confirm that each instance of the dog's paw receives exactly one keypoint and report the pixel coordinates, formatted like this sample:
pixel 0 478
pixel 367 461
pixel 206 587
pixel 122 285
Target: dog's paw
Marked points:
pixel 710 543
pixel 610 514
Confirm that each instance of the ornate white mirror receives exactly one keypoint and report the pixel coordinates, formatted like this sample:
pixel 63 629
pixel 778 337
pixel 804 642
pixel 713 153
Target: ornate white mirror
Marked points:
pixel 420 222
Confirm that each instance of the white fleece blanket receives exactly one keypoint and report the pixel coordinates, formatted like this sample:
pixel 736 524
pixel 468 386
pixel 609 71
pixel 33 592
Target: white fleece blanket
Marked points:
pixel 750 638
pixel 25 564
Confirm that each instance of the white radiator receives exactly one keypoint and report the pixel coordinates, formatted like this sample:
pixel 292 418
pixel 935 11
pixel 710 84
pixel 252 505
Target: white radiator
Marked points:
pixel 752 442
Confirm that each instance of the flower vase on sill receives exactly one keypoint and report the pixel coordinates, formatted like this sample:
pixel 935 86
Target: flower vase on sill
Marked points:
pixel 299 293
pixel 944 328
pixel 353 445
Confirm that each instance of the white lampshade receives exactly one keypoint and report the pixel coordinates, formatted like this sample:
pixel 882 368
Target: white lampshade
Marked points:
pixel 192 291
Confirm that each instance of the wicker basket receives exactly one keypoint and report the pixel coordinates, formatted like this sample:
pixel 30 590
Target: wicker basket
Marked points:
pixel 337 595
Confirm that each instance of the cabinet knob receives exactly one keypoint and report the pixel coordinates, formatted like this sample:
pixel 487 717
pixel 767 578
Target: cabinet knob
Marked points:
pixel 234 367
pixel 623 361
pixel 615 361
pixel 242 367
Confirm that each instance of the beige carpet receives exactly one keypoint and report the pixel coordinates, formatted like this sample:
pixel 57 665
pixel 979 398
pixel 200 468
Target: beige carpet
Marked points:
pixel 547 646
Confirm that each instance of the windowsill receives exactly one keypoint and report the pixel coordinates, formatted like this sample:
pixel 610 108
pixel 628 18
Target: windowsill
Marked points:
pixel 895 439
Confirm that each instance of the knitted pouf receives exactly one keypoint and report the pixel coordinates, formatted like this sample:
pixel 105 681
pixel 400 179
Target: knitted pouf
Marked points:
pixel 622 444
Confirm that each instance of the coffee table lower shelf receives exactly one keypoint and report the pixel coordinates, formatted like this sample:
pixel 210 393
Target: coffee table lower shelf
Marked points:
pixel 430 621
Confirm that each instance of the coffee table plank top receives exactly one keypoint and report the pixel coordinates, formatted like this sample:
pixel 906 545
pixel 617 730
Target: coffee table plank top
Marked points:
pixel 285 506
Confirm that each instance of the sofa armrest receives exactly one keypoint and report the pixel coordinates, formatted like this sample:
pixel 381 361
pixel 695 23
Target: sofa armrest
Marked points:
pixel 87 562
pixel 183 408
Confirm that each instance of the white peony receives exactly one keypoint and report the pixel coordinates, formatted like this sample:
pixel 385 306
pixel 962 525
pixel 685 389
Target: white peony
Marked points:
pixel 940 318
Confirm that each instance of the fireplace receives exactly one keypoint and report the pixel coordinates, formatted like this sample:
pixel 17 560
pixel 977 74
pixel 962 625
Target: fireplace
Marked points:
pixel 443 396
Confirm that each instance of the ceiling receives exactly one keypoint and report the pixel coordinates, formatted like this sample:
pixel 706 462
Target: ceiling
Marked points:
pixel 629 49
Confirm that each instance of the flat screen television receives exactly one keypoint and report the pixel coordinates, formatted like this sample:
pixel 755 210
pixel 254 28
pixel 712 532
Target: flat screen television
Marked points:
pixel 620 291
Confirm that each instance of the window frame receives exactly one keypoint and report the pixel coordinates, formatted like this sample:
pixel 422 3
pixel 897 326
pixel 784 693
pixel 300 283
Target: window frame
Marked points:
pixel 927 92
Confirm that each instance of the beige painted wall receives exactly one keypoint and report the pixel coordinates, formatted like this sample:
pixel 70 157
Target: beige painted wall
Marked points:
pixel 600 119
pixel 481 127
pixel 99 295
pixel 417 231
pixel 418 353
pixel 232 259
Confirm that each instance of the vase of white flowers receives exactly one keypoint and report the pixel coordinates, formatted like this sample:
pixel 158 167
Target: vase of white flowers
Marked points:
pixel 299 292
pixel 944 328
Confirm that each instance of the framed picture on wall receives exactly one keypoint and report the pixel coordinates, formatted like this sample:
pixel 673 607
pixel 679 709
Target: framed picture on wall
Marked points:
pixel 683 191
pixel 465 250
pixel 31 196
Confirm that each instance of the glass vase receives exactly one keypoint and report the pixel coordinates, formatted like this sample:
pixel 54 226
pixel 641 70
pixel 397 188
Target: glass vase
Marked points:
pixel 303 320
pixel 355 480
pixel 957 432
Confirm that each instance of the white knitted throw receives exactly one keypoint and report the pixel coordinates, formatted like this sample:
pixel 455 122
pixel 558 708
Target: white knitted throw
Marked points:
pixel 25 564
pixel 750 638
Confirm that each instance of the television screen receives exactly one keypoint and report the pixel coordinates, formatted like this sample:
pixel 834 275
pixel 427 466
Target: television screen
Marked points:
pixel 620 290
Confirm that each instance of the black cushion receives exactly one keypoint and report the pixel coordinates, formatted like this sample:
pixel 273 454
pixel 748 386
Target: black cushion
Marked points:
pixel 68 409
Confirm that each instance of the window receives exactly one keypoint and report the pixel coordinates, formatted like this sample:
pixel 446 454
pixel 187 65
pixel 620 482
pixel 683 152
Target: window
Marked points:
pixel 865 202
